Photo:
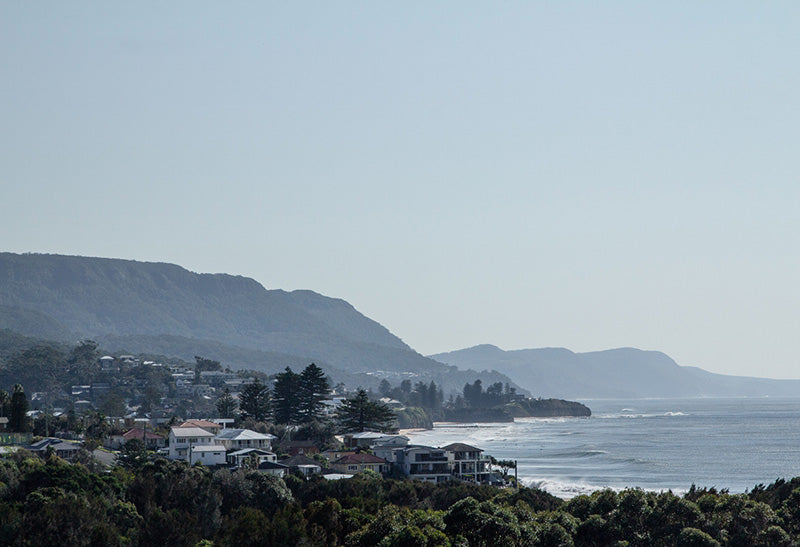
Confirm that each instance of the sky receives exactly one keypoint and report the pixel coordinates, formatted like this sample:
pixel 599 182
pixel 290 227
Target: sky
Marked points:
pixel 576 174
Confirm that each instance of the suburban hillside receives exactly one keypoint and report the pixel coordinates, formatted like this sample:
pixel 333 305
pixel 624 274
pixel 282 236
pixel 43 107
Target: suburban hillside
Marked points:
pixel 615 373
pixel 141 307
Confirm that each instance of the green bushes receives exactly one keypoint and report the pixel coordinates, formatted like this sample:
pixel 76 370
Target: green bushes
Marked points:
pixel 161 502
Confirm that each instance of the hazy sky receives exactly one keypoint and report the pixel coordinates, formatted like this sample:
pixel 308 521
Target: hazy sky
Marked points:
pixel 579 174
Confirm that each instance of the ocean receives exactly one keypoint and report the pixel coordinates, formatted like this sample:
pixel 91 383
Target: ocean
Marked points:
pixel 654 444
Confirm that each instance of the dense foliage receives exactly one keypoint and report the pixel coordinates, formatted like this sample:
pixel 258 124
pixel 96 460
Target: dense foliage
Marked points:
pixel 169 503
pixel 359 413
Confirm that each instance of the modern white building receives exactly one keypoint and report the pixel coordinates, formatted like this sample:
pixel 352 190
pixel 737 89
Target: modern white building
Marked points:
pixel 468 462
pixel 193 445
pixel 257 456
pixel 418 462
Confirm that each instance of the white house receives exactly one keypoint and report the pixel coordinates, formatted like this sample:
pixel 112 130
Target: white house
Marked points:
pixel 468 462
pixel 194 444
pixel 257 455
pixel 238 439
pixel 423 463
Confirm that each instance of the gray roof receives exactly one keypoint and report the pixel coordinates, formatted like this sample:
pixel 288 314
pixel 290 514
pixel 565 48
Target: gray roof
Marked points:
pixel 244 435
pixel 461 447
pixel 190 432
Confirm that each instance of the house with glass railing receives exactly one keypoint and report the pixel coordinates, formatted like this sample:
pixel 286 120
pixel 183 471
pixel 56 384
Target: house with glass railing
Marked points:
pixel 468 462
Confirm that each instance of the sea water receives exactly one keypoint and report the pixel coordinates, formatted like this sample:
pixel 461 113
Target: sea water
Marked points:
pixel 654 444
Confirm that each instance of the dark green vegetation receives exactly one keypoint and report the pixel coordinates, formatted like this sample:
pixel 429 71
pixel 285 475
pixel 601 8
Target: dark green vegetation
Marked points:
pixel 624 373
pixel 169 503
pixel 137 307
pixel 424 404
pixel 359 413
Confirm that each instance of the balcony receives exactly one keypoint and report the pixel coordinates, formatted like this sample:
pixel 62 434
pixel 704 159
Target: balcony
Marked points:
pixel 435 469
pixel 430 458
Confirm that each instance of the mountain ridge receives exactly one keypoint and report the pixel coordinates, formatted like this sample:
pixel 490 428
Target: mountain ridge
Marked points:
pixel 613 373
pixel 130 303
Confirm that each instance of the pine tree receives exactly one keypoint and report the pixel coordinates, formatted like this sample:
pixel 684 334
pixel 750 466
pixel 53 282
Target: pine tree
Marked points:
pixel 286 405
pixel 254 401
pixel 361 414
pixel 313 388
pixel 19 407
pixel 226 405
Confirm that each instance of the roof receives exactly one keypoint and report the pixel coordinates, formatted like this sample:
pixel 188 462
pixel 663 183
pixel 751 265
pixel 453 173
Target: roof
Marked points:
pixel 337 476
pixel 461 447
pixel 272 465
pixel 199 423
pixel 245 451
pixel 367 435
pixel 243 435
pixel 296 461
pixel 64 445
pixel 137 432
pixel 359 458
pixel 208 448
pixel 190 432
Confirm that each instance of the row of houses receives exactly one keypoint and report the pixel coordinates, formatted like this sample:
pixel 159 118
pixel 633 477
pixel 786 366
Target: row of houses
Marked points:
pixel 205 443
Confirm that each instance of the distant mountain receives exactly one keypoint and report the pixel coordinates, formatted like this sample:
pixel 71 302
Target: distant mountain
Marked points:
pixel 163 308
pixel 616 373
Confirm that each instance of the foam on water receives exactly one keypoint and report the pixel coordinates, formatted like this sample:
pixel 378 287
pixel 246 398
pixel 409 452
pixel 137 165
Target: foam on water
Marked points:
pixel 656 445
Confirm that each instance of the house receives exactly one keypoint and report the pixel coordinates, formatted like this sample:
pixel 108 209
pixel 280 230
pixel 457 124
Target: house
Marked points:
pixel 211 427
pixel 216 378
pixel 239 457
pixel 273 468
pixel 208 454
pixel 369 439
pixel 468 462
pixel 391 403
pixel 64 450
pixel 363 439
pixel 237 439
pixel 418 462
pixel 355 463
pixel 3 423
pixel 152 440
pixel 304 465
pixel 194 444
pixel 297 448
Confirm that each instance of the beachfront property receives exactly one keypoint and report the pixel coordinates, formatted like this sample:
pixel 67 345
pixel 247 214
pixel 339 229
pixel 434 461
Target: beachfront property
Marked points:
pixel 456 461
pixel 468 462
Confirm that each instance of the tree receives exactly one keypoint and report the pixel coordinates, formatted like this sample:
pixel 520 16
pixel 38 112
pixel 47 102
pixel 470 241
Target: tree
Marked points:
pixel 114 404
pixel 226 405
pixel 254 401
pixel 5 401
pixel 361 414
pixel 19 407
pixel 201 364
pixel 133 454
pixel 286 407
pixel 313 388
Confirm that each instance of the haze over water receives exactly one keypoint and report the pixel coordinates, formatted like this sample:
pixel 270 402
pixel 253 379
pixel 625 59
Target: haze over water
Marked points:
pixel 655 444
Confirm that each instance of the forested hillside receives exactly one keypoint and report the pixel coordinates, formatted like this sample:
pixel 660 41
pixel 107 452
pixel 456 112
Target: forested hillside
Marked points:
pixel 141 307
